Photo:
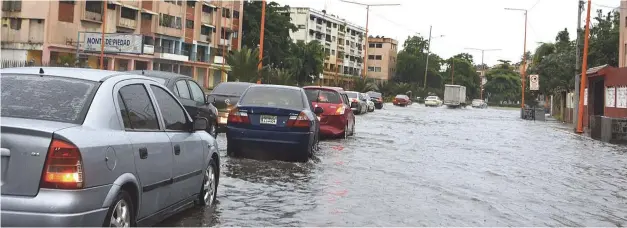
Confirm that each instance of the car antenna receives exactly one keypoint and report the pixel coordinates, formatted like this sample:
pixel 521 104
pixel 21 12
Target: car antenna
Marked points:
pixel 41 71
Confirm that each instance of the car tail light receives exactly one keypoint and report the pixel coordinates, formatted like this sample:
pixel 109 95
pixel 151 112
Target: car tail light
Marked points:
pixel 63 168
pixel 340 110
pixel 235 116
pixel 354 100
pixel 298 121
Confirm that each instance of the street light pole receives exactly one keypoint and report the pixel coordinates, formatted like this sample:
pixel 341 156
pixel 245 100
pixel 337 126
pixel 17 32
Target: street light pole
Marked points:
pixel 524 61
pixel 102 41
pixel 261 34
pixel 584 68
pixel 367 18
pixel 428 53
pixel 482 66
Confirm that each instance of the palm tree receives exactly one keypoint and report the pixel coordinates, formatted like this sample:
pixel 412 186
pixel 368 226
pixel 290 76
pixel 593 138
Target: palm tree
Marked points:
pixel 364 85
pixel 282 76
pixel 402 88
pixel 244 64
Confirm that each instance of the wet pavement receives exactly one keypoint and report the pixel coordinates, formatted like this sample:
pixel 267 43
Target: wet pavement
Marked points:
pixel 419 166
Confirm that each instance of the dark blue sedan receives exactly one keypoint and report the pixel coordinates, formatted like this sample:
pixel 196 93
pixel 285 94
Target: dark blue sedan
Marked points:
pixel 273 119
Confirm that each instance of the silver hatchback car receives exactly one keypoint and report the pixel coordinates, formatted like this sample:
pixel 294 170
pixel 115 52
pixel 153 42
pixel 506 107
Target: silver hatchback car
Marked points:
pixel 85 147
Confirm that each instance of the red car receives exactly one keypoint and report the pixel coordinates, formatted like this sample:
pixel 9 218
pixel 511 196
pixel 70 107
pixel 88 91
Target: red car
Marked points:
pixel 338 119
pixel 401 100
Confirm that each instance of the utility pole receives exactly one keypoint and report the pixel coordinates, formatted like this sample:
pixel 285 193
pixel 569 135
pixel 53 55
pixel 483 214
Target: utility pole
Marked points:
pixel 224 47
pixel 482 66
pixel 365 67
pixel 524 60
pixel 261 33
pixel 452 71
pixel 584 68
pixel 577 65
pixel 428 53
pixel 102 41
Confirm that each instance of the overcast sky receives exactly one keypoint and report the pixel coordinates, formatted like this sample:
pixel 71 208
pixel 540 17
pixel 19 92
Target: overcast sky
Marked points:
pixel 482 24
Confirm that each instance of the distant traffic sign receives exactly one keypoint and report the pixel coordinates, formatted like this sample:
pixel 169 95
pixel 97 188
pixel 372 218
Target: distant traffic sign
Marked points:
pixel 534 82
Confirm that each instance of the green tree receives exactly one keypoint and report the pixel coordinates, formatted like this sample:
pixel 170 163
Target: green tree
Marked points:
pixel 364 85
pixel 244 63
pixel 278 25
pixel 306 61
pixel 503 83
pixel 604 39
pixel 281 76
pixel 462 71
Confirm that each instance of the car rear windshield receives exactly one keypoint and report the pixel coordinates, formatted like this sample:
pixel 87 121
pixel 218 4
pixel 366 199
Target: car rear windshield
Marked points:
pixel 230 89
pixel 401 96
pixel 47 98
pixel 432 98
pixel 374 94
pixel 273 97
pixel 352 95
pixel 323 96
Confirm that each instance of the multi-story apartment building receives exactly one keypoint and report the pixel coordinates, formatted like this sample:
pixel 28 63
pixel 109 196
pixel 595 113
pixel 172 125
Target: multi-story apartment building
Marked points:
pixel 381 58
pixel 622 49
pixel 187 37
pixel 343 42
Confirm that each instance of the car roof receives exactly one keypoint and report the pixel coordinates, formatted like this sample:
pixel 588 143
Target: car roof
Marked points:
pixel 68 72
pixel 247 83
pixel 275 86
pixel 337 89
pixel 159 74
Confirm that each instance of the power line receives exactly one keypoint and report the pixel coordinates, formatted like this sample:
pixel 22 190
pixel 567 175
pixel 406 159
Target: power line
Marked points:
pixel 534 5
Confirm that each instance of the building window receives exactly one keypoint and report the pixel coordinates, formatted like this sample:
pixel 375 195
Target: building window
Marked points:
pixel 93 6
pixel 189 24
pixel 371 69
pixel 170 21
pixel 235 14
pixel 191 4
pixel 66 11
pixel 12 5
pixel 371 45
pixel 371 57
pixel 334 25
pixel 128 13
pixel 348 42
pixel 332 52
pixel 234 35
pixel 16 23
pixel 204 30
pixel 377 69
pixel 226 12
pixel 379 45
pixel 377 57
pixel 301 26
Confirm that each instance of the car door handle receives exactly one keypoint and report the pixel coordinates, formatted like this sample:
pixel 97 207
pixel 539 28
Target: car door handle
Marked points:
pixel 177 149
pixel 143 153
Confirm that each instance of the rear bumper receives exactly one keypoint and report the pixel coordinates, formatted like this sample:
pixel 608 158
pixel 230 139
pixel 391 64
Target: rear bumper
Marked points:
pixel 333 125
pixel 260 140
pixel 56 208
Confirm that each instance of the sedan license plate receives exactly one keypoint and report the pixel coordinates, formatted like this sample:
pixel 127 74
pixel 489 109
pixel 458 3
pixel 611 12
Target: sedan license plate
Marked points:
pixel 264 119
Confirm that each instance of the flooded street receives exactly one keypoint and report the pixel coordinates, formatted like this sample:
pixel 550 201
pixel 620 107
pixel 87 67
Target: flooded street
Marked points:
pixel 419 166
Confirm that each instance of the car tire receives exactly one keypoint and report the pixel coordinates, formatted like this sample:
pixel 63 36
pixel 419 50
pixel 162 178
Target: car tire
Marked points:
pixel 212 129
pixel 121 212
pixel 231 150
pixel 209 182
pixel 345 133
pixel 352 129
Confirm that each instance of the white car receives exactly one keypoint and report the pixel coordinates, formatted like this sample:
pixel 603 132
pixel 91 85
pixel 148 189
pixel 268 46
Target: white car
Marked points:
pixel 369 102
pixel 433 101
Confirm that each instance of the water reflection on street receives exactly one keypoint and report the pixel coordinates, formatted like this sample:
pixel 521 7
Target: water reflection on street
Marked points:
pixel 419 166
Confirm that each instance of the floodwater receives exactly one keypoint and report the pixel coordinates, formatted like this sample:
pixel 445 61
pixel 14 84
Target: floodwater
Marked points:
pixel 419 166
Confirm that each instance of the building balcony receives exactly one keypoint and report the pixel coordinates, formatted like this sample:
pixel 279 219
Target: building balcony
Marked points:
pixel 169 31
pixel 127 23
pixel 341 34
pixel 218 59
pixel 205 38
pixel 92 16
pixel 225 42
pixel 168 53
pixel 318 27
pixel 328 30
pixel 207 18
pixel 149 49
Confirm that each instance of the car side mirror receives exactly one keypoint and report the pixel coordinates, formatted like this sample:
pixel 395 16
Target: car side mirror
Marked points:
pixel 200 124
pixel 209 99
pixel 318 110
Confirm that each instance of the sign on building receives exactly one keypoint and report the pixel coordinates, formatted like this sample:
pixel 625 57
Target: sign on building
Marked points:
pixel 534 82
pixel 114 43
pixel 610 97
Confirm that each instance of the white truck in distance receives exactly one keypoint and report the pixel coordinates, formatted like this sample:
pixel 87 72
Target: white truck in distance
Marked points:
pixel 454 96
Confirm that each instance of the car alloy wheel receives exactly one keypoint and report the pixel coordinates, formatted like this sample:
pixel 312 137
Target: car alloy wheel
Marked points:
pixel 208 185
pixel 121 215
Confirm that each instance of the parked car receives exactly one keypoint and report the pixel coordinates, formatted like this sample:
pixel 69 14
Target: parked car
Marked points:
pixel 433 101
pixel 361 106
pixel 225 95
pixel 84 147
pixel 478 103
pixel 401 100
pixel 369 102
pixel 338 118
pixel 377 98
pixel 191 95
pixel 276 119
